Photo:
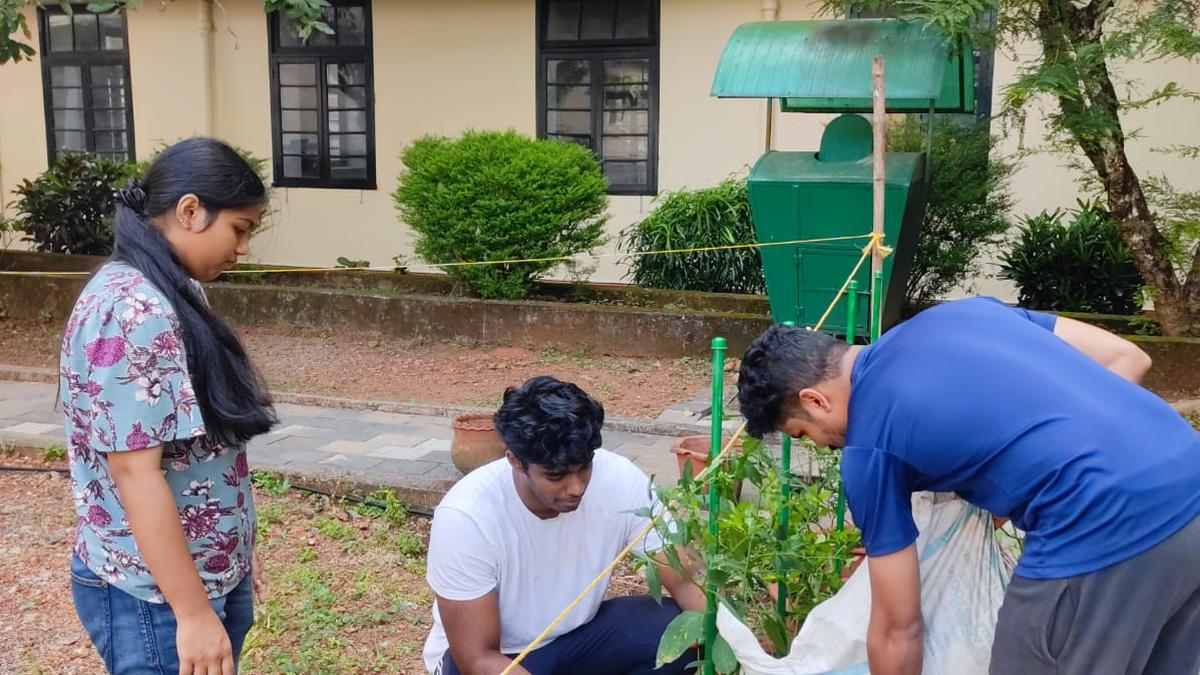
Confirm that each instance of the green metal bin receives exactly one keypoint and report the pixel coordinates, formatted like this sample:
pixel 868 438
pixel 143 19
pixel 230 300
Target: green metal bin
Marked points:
pixel 817 195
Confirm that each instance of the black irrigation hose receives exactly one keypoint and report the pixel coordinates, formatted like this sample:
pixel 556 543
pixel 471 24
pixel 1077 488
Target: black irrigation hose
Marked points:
pixel 299 488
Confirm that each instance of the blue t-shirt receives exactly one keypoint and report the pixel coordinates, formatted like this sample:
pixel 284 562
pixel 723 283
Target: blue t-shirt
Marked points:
pixel 977 398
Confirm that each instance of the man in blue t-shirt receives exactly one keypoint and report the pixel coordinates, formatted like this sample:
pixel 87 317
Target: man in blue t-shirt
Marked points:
pixel 1033 418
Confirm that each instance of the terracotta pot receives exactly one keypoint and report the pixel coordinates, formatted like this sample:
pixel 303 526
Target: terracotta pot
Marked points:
pixel 476 442
pixel 693 451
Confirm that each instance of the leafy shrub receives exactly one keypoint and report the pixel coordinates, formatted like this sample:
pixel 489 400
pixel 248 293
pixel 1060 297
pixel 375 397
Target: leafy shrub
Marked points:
pixel 70 207
pixel 968 203
pixel 501 196
pixel 751 558
pixel 1083 266
pixel 715 216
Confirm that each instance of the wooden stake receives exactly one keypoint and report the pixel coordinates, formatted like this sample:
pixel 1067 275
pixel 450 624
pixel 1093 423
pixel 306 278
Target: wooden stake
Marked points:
pixel 878 119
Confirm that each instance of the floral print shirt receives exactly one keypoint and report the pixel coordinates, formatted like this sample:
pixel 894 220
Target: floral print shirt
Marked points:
pixel 125 386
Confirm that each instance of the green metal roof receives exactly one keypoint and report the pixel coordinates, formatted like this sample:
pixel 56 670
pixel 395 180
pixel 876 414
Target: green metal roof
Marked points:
pixel 818 66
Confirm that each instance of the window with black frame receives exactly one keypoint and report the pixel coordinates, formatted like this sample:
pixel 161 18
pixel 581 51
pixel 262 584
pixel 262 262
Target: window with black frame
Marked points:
pixel 598 84
pixel 322 101
pixel 85 81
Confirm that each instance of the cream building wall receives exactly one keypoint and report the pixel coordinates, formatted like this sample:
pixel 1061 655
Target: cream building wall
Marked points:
pixel 444 66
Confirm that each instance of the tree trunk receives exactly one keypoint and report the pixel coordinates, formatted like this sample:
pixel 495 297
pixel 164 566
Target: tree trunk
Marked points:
pixel 1063 27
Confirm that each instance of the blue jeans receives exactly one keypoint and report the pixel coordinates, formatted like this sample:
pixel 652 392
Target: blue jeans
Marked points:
pixel 622 639
pixel 135 637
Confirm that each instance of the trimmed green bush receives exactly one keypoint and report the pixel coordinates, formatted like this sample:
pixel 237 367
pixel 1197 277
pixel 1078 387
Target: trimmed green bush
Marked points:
pixel 968 206
pixel 715 216
pixel 70 207
pixel 1080 266
pixel 501 196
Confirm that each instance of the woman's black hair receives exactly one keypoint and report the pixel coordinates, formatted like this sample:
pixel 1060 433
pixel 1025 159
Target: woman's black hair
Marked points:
pixel 233 398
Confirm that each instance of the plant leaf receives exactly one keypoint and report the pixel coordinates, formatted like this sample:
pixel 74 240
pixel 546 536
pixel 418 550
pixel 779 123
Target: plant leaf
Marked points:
pixel 723 657
pixel 684 631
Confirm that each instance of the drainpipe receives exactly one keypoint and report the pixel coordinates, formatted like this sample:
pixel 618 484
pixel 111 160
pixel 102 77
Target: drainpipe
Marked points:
pixel 204 17
pixel 770 12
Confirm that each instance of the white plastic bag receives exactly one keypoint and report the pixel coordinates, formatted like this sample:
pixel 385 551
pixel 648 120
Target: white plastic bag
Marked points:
pixel 964 574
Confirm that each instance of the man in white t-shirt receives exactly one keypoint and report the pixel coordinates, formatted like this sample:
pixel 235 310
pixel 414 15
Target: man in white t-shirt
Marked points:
pixel 515 541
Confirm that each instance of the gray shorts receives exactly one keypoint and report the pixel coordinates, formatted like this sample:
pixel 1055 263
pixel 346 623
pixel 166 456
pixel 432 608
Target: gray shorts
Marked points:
pixel 1138 616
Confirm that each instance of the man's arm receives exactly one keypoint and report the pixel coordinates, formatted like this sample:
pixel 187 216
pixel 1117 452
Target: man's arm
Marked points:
pixel 686 594
pixel 896 631
pixel 1111 351
pixel 473 631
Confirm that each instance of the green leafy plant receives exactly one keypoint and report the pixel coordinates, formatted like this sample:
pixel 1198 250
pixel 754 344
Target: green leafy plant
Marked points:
pixel 968 205
pixel 715 216
pixel 70 207
pixel 270 483
pixel 384 503
pixel 751 559
pixel 1080 266
pixel 501 196
pixel 347 263
pixel 54 453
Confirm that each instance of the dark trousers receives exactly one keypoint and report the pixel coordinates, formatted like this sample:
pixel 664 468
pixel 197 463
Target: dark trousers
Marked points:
pixel 1138 616
pixel 622 639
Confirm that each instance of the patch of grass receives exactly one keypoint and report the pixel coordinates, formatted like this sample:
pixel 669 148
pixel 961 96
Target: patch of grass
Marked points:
pixel 553 355
pixel 605 389
pixel 334 529
pixel 385 505
pixel 1194 418
pixel 270 483
pixel 54 453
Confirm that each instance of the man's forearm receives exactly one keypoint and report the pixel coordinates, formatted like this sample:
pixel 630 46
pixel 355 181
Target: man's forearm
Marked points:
pixel 895 651
pixel 489 663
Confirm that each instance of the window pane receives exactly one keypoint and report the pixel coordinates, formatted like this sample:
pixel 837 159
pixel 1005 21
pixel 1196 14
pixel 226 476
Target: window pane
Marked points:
pixel 346 74
pixel 299 120
pixel 633 19
pixel 301 167
pixel 635 96
pixel 112 31
pixel 626 173
pixel 597 20
pixel 347 145
pixel 86 37
pixel 348 121
pixel 347 97
pixel 66 76
pixel 567 122
pixel 108 97
pixel 298 74
pixel 567 72
pixel 298 97
pixel 287 34
pixel 300 144
pixel 109 120
pixel 626 122
pixel 110 141
pixel 108 76
pixel 562 22
pixel 62 97
pixel 625 147
pixel 568 97
pixel 351 26
pixel 61 39
pixel 319 39
pixel 68 120
pixel 627 71
pixel 585 141
pixel 71 141
pixel 348 167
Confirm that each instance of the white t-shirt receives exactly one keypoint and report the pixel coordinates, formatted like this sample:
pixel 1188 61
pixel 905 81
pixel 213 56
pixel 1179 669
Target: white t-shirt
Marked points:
pixel 483 538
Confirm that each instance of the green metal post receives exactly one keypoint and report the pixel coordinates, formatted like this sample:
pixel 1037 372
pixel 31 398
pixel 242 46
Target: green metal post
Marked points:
pixel 714 498
pixel 785 463
pixel 851 334
pixel 876 306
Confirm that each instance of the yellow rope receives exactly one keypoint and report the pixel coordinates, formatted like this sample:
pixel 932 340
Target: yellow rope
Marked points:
pixel 876 241
pixel 592 256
